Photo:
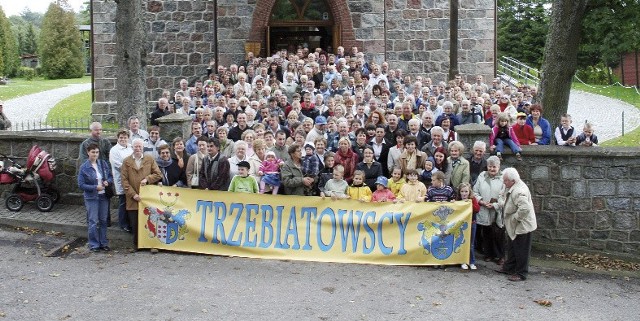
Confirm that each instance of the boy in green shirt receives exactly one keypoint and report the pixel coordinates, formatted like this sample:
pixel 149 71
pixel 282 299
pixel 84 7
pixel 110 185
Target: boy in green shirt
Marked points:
pixel 242 182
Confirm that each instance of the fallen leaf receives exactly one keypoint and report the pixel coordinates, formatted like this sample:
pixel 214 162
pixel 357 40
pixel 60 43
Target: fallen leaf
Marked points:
pixel 435 304
pixel 55 275
pixel 543 302
pixel 521 307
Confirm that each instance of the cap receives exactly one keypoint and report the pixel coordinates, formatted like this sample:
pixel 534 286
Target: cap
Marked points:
pixel 309 145
pixel 270 153
pixel 382 181
pixel 521 114
pixel 244 164
pixel 321 120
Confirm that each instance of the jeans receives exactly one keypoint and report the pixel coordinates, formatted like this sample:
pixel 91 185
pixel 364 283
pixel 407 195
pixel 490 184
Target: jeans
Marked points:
pixel 97 212
pixel 500 145
pixel 123 218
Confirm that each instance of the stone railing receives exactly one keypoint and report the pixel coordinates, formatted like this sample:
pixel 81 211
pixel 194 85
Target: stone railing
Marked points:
pixel 587 197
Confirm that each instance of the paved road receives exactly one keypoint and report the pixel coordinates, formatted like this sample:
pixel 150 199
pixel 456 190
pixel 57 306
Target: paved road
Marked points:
pixel 36 106
pixel 174 286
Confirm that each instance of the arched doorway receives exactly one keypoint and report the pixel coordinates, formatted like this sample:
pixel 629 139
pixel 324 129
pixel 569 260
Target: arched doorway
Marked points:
pixel 301 22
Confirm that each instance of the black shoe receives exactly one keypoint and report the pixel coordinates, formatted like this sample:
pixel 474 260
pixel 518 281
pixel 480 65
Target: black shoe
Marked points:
pixel 94 249
pixel 105 248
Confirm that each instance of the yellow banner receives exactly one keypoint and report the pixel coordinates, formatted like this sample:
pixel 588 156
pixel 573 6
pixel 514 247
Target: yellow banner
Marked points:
pixel 303 227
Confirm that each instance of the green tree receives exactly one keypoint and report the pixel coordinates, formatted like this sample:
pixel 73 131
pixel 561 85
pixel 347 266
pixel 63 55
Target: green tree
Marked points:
pixel 561 56
pixel 30 42
pixel 60 45
pixel 9 58
pixel 611 29
pixel 522 29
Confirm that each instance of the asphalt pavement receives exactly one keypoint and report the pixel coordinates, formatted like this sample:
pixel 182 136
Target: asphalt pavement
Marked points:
pixel 125 285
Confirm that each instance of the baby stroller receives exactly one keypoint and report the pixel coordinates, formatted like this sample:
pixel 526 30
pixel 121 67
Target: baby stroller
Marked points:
pixel 34 182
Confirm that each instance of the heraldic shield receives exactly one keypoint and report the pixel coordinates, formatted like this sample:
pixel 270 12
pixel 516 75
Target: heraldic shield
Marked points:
pixel 167 225
pixel 443 238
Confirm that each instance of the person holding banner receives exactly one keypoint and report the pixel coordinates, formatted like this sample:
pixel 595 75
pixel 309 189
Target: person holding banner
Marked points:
pixel 137 170
pixel 291 173
pixel 519 221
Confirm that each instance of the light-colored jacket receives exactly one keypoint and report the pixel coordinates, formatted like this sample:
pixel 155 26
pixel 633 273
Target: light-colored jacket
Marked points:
pixel 485 189
pixel 132 176
pixel 517 206
pixel 459 174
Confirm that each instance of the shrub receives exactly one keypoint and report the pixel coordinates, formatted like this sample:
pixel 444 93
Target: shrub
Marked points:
pixel 27 73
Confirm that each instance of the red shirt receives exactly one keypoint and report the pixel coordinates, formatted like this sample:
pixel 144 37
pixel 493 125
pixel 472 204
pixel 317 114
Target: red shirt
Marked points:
pixel 524 133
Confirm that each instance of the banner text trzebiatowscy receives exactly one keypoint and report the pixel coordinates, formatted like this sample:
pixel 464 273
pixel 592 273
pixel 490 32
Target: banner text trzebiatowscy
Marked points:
pixel 303 227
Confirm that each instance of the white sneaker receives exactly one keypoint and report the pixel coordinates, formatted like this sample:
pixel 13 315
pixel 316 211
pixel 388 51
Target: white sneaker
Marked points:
pixel 473 266
pixel 464 266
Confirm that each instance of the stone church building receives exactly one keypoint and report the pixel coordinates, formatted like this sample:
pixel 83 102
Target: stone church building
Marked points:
pixel 412 35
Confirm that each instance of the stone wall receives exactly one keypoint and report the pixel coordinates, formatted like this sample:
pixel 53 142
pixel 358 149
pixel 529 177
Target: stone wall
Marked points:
pixel 180 38
pixel 584 197
pixel 63 147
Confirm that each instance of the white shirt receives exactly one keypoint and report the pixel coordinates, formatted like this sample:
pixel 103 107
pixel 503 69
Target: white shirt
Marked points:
pixel 117 154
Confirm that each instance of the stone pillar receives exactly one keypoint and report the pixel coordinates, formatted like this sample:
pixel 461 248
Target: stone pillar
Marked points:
pixel 470 133
pixel 175 125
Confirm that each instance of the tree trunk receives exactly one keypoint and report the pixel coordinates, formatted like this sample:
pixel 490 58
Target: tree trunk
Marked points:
pixel 561 57
pixel 131 60
pixel 453 39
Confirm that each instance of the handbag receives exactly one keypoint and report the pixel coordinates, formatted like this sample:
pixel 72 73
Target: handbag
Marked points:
pixel 195 178
pixel 109 190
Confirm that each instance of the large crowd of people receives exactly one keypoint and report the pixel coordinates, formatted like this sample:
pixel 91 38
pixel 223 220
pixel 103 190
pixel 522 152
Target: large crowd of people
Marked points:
pixel 334 125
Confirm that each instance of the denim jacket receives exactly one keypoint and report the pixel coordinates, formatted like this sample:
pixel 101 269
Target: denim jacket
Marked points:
pixel 87 178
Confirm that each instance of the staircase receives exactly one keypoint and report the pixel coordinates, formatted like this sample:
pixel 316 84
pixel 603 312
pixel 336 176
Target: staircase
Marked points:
pixel 514 72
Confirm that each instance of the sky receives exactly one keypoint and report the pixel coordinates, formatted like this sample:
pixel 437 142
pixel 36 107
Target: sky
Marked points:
pixel 14 7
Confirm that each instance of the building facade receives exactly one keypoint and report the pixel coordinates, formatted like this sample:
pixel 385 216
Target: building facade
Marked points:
pixel 412 35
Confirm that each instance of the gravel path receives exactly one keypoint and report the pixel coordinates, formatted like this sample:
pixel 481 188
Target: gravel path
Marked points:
pixel 36 106
pixel 605 113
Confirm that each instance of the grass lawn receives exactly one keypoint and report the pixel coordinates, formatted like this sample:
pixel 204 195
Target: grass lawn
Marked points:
pixel 19 87
pixel 77 106
pixel 628 95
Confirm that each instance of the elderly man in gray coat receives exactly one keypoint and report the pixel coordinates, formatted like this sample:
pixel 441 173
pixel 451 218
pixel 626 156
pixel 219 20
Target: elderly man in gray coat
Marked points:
pixel 519 221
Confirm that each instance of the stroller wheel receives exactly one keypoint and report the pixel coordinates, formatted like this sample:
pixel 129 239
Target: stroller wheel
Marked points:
pixel 55 195
pixel 14 202
pixel 44 202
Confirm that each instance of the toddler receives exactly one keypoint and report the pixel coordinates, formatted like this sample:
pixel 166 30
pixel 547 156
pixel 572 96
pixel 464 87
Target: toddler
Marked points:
pixel 382 193
pixel 587 137
pixel 310 167
pixel 270 172
pixel 425 176
pixel 336 188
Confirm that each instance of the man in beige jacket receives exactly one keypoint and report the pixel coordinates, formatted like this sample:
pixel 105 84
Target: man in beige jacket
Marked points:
pixel 519 222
